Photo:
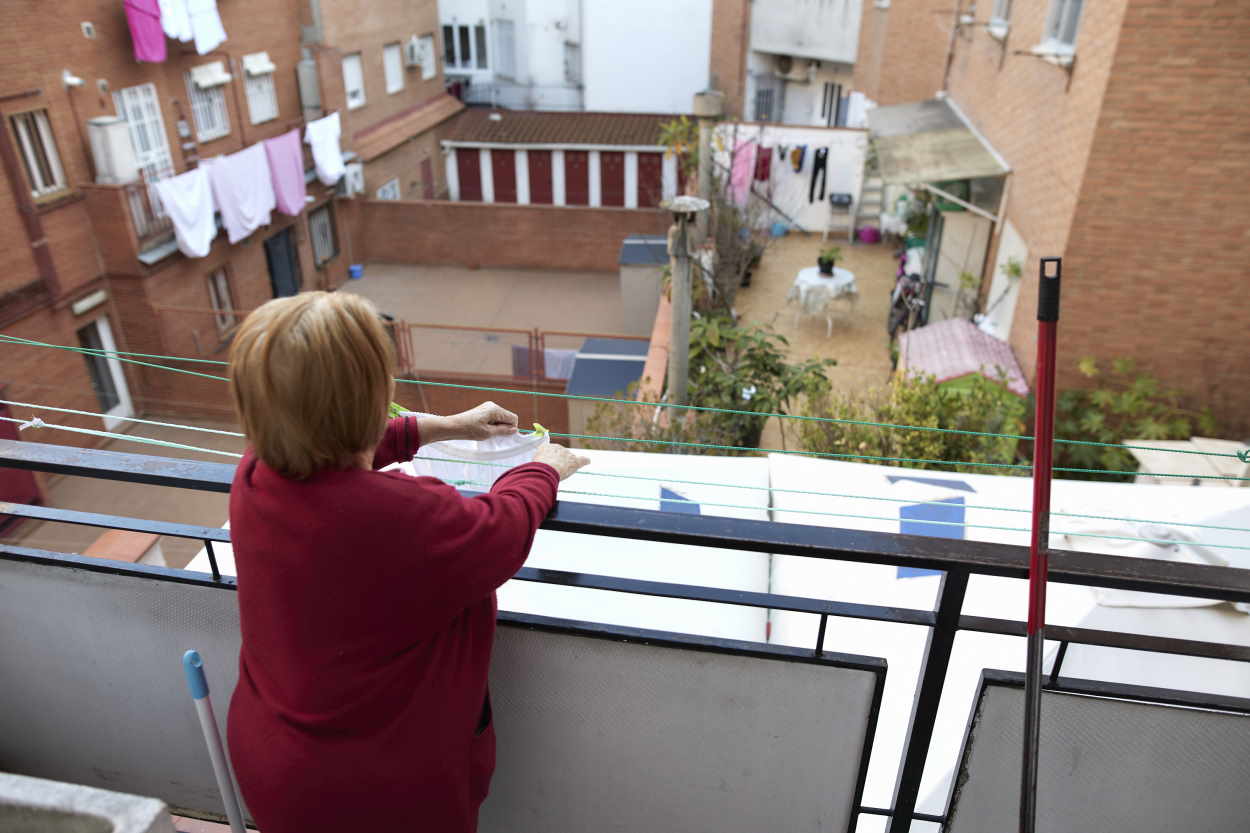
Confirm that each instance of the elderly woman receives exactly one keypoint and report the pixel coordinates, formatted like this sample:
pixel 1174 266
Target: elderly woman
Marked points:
pixel 367 598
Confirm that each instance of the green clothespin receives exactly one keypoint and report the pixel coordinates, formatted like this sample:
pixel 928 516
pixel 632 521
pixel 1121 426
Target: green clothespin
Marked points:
pixel 539 429
pixel 395 409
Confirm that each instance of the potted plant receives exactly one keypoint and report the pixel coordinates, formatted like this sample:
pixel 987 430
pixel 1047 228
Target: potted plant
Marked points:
pixel 827 258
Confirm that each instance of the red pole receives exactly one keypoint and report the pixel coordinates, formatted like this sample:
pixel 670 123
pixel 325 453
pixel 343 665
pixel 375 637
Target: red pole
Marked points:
pixel 1043 462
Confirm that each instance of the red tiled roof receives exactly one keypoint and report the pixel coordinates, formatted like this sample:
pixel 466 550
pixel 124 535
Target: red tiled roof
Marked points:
pixel 529 127
pixel 955 347
pixel 377 139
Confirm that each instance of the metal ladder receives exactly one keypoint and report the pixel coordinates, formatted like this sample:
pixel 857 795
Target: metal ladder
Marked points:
pixel 870 201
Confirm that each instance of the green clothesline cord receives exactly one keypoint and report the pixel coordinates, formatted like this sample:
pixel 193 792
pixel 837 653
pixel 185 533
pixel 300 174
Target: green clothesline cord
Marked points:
pixel 833 454
pixel 180 446
pixel 1165 541
pixel 145 440
pixel 669 480
pixel 1243 456
pixel 114 436
pixel 122 418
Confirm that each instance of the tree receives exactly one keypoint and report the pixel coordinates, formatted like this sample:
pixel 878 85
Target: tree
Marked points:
pixel 731 367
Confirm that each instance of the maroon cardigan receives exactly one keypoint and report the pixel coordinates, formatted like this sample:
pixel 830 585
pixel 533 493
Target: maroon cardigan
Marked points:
pixel 367 607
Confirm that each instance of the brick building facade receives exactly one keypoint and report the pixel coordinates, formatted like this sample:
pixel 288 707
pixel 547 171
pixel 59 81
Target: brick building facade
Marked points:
pixel 1123 162
pixel 83 263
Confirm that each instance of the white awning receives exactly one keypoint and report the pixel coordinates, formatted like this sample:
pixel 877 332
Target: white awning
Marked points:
pixel 210 75
pixel 930 141
pixel 258 63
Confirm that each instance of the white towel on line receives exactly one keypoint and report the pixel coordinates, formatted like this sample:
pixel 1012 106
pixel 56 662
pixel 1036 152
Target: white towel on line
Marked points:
pixel 323 135
pixel 176 20
pixel 188 201
pixel 206 25
pixel 243 190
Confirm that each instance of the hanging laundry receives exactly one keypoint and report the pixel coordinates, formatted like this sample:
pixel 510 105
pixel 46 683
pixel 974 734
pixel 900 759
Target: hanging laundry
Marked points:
pixel 243 190
pixel 742 170
pixel 188 201
pixel 176 20
pixel 764 165
pixel 286 167
pixel 144 17
pixel 323 135
pixel 820 161
pixel 781 153
pixel 206 25
pixel 796 157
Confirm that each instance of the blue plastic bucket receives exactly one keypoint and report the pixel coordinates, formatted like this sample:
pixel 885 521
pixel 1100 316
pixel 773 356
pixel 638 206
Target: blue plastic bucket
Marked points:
pixel 355 271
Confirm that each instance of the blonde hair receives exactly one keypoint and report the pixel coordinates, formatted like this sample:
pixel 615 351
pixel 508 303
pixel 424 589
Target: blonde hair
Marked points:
pixel 311 377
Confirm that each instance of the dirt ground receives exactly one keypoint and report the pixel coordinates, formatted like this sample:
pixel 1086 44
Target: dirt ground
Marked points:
pixel 858 342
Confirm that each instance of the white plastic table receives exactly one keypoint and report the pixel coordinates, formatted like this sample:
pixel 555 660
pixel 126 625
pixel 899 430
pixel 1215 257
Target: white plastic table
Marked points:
pixel 814 293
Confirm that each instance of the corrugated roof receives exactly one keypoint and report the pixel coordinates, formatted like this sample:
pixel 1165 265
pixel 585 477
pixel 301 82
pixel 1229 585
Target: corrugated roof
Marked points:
pixel 954 348
pixel 929 141
pixel 377 139
pixel 529 127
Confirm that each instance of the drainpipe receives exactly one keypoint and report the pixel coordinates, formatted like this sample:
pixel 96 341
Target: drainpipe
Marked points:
pixel 950 49
pixel 26 208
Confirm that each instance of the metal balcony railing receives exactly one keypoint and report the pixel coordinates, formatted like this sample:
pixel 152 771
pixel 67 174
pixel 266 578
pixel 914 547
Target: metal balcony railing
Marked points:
pixel 958 560
pixel 152 225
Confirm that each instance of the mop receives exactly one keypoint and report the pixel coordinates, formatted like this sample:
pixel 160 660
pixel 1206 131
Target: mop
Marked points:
pixel 193 666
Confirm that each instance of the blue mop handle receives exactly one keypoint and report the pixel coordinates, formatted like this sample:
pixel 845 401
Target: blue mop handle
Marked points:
pixel 193 667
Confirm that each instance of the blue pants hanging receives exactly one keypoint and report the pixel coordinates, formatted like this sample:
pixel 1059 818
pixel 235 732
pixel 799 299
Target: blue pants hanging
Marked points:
pixel 820 161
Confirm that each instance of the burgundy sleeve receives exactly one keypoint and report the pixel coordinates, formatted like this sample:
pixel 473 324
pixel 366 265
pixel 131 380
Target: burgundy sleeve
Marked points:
pixel 476 544
pixel 399 443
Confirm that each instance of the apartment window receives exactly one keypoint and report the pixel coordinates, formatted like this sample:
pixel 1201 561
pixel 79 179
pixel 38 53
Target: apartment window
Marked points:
pixel 43 165
pixel 354 81
pixel 206 88
pixel 764 105
pixel 830 104
pixel 321 229
pixel 393 63
pixel 1062 23
pixel 479 39
pixel 505 45
pixel 572 63
pixel 389 191
pixel 464 47
pixel 223 306
pixel 429 63
pixel 262 96
pixel 449 46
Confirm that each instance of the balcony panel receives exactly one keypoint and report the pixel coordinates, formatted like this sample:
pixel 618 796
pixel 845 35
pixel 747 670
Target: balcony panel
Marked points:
pixel 1124 764
pixel 647 729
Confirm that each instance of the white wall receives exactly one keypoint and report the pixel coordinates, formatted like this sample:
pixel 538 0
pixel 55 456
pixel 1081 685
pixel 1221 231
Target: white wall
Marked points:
pixel 645 56
pixel 824 29
pixel 789 190
pixel 541 30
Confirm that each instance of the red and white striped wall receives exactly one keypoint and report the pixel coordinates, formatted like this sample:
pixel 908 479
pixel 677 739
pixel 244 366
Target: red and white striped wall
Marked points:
pixel 590 175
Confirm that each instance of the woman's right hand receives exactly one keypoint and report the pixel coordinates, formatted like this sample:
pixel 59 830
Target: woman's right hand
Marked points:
pixel 561 459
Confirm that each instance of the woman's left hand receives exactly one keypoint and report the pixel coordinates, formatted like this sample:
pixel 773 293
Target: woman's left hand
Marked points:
pixel 485 421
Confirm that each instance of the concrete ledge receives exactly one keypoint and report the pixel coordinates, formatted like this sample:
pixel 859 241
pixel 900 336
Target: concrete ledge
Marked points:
pixel 34 805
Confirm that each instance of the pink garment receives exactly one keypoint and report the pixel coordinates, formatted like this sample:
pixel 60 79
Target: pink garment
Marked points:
pixel 243 190
pixel 743 170
pixel 286 169
pixel 144 17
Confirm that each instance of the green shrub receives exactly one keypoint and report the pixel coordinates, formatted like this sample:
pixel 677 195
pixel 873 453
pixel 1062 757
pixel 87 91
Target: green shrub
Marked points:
pixel 1126 405
pixel 976 404
pixel 732 367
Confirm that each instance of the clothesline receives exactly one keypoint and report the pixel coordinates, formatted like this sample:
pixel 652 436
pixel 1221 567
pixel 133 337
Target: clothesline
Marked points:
pixel 247 186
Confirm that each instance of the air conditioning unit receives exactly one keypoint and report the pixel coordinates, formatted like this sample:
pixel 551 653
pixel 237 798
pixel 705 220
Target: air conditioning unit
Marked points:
pixel 414 55
pixel 788 69
pixel 353 181
pixel 112 151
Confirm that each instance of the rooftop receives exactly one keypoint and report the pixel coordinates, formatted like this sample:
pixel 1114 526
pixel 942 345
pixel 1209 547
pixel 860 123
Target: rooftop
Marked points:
pixel 530 127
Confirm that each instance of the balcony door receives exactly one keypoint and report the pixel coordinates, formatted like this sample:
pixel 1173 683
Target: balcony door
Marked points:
pixel 106 373
pixel 141 109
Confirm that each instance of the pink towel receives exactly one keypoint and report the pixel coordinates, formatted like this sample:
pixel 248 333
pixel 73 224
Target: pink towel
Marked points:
pixel 144 17
pixel 743 170
pixel 286 169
